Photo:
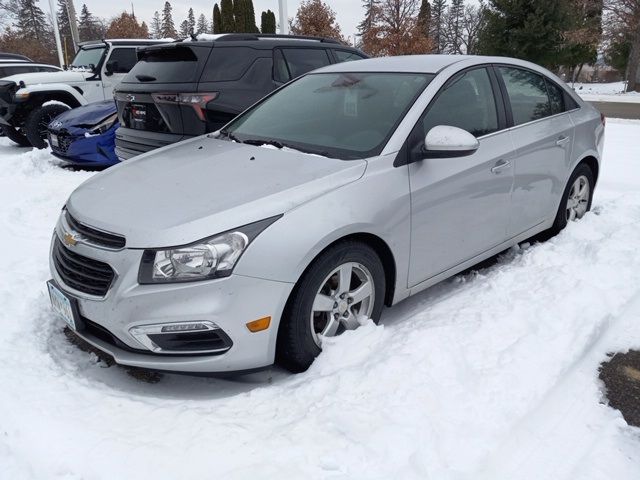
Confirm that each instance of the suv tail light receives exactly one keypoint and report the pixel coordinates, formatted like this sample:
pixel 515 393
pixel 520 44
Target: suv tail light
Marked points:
pixel 197 100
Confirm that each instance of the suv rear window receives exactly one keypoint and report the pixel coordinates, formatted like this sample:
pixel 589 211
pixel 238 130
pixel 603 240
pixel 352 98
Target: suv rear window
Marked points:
pixel 178 64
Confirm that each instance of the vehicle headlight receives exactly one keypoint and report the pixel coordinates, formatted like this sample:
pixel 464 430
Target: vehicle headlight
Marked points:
pixel 105 124
pixel 212 257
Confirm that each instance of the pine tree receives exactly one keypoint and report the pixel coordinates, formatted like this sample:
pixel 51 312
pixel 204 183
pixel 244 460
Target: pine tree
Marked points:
pixel 168 27
pixel 64 26
pixel 216 26
pixel 268 22
pixel 532 31
pixel 184 29
pixel 156 25
pixel 228 23
pixel 202 25
pixel 88 26
pixel 424 17
pixel 239 16
pixel 438 11
pixel 31 21
pixel 191 22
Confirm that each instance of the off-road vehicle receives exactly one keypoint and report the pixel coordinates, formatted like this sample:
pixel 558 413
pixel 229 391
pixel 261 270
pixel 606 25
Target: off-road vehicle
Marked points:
pixel 29 101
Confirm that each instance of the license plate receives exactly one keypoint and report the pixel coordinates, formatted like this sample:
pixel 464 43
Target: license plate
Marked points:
pixel 54 140
pixel 61 305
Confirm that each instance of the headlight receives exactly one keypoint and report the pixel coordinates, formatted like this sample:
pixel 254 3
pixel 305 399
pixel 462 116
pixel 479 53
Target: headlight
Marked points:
pixel 105 124
pixel 212 257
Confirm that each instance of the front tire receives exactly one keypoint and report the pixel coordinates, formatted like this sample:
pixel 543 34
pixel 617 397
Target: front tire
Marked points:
pixel 343 286
pixel 38 122
pixel 576 200
pixel 16 136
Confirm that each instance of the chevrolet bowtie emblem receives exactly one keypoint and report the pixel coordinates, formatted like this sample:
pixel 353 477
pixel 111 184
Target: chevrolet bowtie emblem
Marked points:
pixel 70 239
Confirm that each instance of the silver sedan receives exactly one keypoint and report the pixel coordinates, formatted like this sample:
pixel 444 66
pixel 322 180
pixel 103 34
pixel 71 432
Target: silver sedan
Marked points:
pixel 346 190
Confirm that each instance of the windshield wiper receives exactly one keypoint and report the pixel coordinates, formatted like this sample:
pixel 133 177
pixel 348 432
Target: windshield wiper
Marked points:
pixel 230 136
pixel 259 143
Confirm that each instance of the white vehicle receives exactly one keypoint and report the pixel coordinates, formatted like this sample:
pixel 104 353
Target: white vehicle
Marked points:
pixel 29 101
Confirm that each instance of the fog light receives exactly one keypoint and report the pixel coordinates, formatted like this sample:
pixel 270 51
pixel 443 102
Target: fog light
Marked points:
pixel 184 327
pixel 259 325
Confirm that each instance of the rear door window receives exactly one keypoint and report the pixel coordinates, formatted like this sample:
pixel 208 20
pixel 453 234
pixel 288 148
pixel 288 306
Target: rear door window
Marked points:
pixel 346 56
pixel 123 59
pixel 556 97
pixel 227 64
pixel 176 64
pixel 527 94
pixel 303 60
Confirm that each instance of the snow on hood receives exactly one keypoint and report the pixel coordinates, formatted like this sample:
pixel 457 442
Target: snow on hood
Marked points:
pixel 36 78
pixel 200 187
pixel 86 115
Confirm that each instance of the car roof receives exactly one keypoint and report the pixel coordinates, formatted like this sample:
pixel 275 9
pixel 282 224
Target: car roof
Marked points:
pixel 124 41
pixel 264 40
pixel 13 63
pixel 14 56
pixel 421 63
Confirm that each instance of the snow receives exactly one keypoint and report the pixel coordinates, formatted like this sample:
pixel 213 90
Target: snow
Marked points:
pixel 489 375
pixel 606 92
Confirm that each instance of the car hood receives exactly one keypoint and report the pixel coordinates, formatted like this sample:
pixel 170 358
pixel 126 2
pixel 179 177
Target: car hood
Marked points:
pixel 85 116
pixel 201 187
pixel 36 78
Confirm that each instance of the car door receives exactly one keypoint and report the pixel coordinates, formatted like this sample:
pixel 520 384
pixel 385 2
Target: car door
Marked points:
pixel 117 65
pixel 543 137
pixel 460 206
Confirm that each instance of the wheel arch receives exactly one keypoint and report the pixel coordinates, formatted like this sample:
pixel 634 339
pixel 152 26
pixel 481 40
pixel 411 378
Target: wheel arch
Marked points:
pixel 593 164
pixel 69 99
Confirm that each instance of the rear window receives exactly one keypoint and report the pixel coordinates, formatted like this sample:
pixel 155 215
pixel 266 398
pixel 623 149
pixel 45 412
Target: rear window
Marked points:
pixel 227 64
pixel 179 64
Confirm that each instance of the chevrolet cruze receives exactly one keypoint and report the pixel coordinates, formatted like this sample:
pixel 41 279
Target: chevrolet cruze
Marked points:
pixel 351 188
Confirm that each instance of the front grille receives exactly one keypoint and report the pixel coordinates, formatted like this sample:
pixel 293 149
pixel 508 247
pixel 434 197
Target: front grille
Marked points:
pixel 94 236
pixel 64 142
pixel 81 273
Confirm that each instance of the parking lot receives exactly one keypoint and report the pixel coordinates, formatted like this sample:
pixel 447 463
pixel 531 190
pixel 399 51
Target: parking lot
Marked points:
pixel 492 371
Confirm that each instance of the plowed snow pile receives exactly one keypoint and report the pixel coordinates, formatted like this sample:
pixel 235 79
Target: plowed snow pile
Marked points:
pixel 489 375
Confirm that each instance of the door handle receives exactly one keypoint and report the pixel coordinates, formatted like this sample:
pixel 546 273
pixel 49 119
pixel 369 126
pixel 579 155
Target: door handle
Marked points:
pixel 562 141
pixel 501 165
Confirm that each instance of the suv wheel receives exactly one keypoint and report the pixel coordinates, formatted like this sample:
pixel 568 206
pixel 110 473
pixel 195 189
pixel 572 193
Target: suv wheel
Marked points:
pixel 343 286
pixel 16 135
pixel 38 121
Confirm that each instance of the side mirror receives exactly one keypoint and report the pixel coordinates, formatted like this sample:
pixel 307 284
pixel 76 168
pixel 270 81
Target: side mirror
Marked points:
pixel 110 67
pixel 444 141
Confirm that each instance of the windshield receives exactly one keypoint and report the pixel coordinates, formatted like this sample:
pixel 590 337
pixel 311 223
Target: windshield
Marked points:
pixel 339 115
pixel 86 57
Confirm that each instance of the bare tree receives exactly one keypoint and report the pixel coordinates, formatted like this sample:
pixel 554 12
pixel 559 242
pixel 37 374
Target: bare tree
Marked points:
pixel 396 30
pixel 453 26
pixel 471 26
pixel 625 16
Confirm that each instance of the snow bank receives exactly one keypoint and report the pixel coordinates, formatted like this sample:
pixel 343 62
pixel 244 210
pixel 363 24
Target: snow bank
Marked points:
pixel 488 375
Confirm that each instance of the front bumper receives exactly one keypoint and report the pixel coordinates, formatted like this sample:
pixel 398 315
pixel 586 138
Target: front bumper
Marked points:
pixel 78 149
pixel 229 302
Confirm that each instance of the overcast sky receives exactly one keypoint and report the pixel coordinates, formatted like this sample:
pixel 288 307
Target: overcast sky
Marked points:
pixel 349 12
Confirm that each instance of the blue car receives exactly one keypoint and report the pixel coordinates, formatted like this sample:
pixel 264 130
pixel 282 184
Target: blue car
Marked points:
pixel 85 136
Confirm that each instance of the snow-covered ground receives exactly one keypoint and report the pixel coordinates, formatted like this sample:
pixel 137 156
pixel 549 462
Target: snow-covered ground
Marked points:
pixel 492 375
pixel 606 92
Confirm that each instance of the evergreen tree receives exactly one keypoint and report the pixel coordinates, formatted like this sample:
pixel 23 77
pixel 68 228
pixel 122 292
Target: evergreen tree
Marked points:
pixel 64 26
pixel 156 25
pixel 32 22
pixel 191 22
pixel 168 27
pixel 250 17
pixel 184 29
pixel 268 22
pixel 424 17
pixel 202 26
pixel 216 26
pixel 529 30
pixel 438 11
pixel 228 23
pixel 239 16
pixel 88 26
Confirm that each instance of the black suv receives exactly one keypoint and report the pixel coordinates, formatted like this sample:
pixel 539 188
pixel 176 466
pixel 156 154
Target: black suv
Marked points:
pixel 187 88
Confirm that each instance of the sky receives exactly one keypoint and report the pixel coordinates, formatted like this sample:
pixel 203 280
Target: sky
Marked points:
pixel 349 12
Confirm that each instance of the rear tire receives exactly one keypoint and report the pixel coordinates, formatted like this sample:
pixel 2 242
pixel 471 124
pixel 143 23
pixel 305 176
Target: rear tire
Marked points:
pixel 38 122
pixel 305 318
pixel 573 206
pixel 16 136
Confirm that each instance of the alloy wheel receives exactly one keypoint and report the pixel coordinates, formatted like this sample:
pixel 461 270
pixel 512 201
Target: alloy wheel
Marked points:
pixel 578 200
pixel 346 296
